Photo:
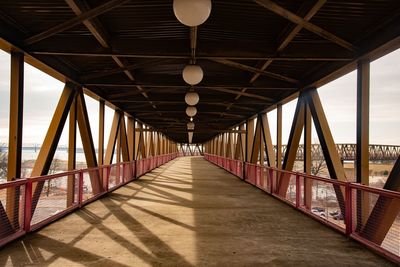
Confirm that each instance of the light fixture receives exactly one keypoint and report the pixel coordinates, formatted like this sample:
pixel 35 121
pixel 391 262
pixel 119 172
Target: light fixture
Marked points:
pixel 192 12
pixel 191 119
pixel 191 111
pixel 190 135
pixel 192 74
pixel 190 125
pixel 192 98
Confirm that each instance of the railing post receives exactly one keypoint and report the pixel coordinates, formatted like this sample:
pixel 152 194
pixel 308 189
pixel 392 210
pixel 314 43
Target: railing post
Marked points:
pixel 349 209
pixel 135 172
pixel 28 206
pixel 244 170
pixel 123 172
pixel 298 193
pixel 271 181
pixel 80 188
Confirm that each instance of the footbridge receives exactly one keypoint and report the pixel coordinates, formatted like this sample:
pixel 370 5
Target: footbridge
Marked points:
pixel 152 121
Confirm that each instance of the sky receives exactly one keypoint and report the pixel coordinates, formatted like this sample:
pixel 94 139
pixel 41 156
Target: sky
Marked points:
pixel 338 98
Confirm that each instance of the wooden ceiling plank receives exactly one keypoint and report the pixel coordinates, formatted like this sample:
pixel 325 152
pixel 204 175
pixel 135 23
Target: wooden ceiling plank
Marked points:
pixel 225 90
pixel 75 21
pixel 290 36
pixel 169 86
pixel 99 74
pixel 106 53
pixel 98 31
pixel 270 5
pixel 255 70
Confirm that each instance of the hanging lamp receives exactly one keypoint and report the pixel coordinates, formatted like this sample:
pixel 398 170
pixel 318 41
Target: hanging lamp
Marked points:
pixel 191 111
pixel 192 12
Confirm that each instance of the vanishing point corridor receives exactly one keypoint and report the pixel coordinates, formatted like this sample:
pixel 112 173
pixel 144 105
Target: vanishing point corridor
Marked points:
pixel 188 212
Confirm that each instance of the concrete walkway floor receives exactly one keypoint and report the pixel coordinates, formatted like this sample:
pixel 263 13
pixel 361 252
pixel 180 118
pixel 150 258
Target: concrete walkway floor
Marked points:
pixel 187 213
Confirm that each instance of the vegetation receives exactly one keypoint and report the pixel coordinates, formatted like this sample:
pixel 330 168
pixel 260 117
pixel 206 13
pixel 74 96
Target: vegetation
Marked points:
pixel 318 166
pixel 3 161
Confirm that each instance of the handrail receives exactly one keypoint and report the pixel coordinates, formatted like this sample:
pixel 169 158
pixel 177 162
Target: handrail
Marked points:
pixel 26 210
pixel 342 195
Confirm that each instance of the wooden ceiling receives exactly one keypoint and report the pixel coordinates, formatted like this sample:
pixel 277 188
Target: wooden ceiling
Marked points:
pixel 254 54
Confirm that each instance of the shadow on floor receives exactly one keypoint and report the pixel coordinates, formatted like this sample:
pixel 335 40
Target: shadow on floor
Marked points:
pixel 187 213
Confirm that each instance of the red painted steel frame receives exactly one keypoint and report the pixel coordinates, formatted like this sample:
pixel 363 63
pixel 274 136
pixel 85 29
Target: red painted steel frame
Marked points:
pixel 253 175
pixel 144 165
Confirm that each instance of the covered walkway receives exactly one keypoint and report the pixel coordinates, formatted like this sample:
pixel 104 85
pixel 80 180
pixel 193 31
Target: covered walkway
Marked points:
pixel 188 212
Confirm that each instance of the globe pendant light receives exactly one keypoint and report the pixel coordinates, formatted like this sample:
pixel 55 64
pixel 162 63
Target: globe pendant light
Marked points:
pixel 192 12
pixel 192 74
pixel 192 98
pixel 190 125
pixel 191 111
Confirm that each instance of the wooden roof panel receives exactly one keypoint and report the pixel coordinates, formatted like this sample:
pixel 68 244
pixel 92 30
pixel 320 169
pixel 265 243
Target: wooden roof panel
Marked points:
pixel 232 46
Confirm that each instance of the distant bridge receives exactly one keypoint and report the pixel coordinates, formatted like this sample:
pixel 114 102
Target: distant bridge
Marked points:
pixel 348 152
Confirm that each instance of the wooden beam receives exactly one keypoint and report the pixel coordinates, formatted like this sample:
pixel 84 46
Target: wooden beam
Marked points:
pixel 75 21
pixel 110 86
pixel 150 144
pixel 228 150
pixel 16 116
pixel 100 155
pixel 157 144
pixel 229 91
pixel 190 150
pixel 255 151
pixel 310 57
pixel 49 145
pixel 98 31
pixel 87 143
pixel 307 157
pixel 305 24
pixel 362 166
pixel 385 210
pixel 279 137
pixel 328 146
pixel 249 138
pixel 141 103
pixel 255 70
pixel 15 135
pixel 362 153
pixel 126 94
pixel 85 132
pixel 124 140
pixel 142 144
pixel 331 155
pixel 152 113
pixel 268 140
pixel 292 145
pixel 99 74
pixel 137 139
pixel 71 153
pixel 290 36
pixel 131 138
pixel 221 151
pixel 112 139
pixel 93 25
pixel 118 150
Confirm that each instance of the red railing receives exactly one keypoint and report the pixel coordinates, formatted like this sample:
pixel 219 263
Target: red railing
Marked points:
pixel 28 204
pixel 336 204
